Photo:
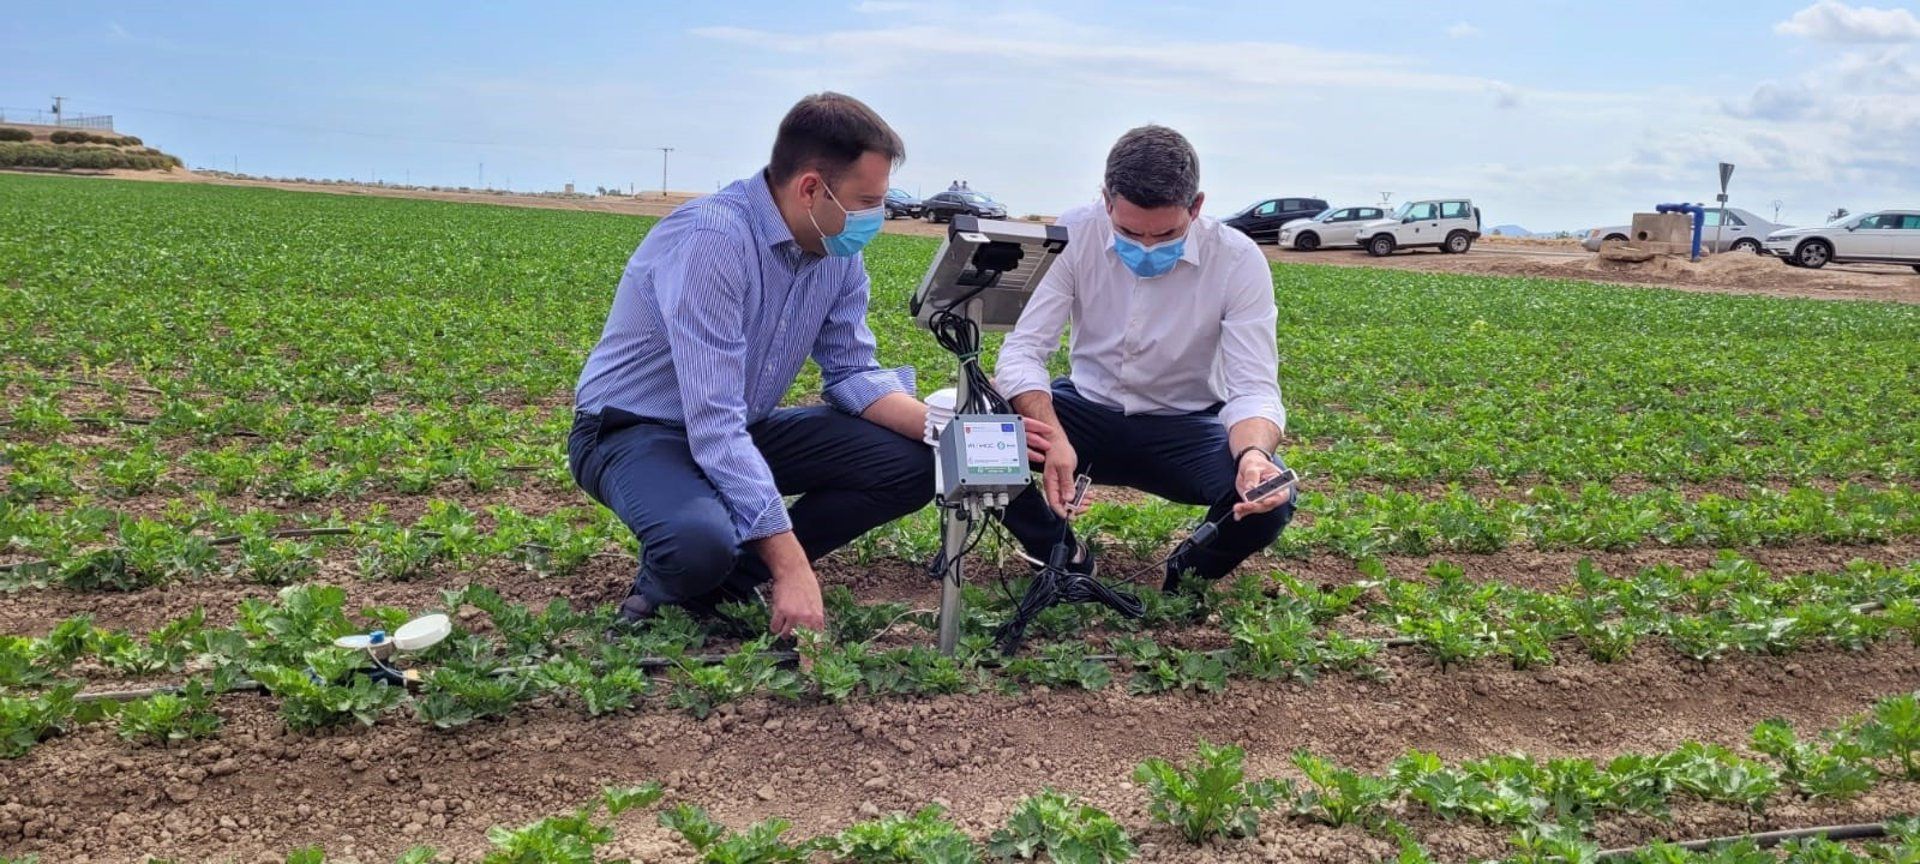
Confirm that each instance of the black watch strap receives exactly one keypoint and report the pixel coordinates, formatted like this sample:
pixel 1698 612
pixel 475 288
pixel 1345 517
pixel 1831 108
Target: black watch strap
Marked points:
pixel 1245 450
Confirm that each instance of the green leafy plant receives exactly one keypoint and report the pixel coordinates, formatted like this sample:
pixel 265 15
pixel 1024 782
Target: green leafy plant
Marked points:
pixel 835 671
pixel 27 720
pixel 453 697
pixel 167 718
pixel 760 843
pixel 569 839
pixel 1061 664
pixel 1211 798
pixel 1337 796
pixel 330 692
pixel 1893 732
pixel 1063 829
pixel 924 837
pixel 1839 770
pixel 1714 773
pixel 1158 669
pixel 699 688
pixel 614 691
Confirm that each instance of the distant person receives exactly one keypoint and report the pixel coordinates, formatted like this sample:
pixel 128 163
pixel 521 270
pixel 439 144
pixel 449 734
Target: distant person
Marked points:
pixel 955 187
pixel 1174 385
pixel 677 425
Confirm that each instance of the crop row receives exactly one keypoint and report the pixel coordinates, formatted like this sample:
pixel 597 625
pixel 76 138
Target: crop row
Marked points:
pixel 1550 806
pixel 94 547
pixel 1280 627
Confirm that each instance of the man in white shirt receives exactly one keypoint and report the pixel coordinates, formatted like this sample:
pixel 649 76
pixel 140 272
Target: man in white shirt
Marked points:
pixel 1174 388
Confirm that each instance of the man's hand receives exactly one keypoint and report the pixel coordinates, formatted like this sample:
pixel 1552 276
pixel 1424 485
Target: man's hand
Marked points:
pixel 1257 467
pixel 1039 441
pixel 796 602
pixel 1057 476
pixel 796 591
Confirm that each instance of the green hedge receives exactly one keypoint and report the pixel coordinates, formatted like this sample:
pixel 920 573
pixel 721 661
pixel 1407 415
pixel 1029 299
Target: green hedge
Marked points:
pixel 75 136
pixel 15 155
pixel 14 133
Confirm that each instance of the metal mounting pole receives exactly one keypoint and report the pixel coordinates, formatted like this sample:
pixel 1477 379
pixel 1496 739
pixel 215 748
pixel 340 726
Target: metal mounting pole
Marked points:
pixel 955 518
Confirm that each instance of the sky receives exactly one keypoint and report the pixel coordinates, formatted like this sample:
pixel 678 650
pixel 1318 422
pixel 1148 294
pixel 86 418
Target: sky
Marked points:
pixel 1551 115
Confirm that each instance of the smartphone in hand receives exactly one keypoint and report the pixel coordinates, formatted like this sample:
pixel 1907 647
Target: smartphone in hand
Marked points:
pixel 1272 485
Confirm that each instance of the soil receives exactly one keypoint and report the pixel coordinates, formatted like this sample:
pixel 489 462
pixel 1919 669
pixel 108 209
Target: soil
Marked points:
pixel 367 794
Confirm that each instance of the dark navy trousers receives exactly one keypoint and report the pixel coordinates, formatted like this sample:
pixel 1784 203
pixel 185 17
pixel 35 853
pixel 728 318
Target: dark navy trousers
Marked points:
pixel 851 476
pixel 1184 458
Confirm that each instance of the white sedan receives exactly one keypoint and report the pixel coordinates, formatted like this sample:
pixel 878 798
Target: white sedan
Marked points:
pixel 1335 226
pixel 1881 237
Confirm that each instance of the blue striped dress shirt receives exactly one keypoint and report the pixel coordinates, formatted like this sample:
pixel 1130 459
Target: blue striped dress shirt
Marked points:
pixel 716 313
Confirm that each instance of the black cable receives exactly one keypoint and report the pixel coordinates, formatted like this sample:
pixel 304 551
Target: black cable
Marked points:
pixel 960 336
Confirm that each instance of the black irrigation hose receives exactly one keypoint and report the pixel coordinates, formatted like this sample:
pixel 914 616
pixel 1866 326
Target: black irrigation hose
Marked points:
pixel 783 658
pixel 132 388
pixel 1769 839
pixel 290 534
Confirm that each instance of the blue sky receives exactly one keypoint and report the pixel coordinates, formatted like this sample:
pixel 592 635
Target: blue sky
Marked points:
pixel 1551 115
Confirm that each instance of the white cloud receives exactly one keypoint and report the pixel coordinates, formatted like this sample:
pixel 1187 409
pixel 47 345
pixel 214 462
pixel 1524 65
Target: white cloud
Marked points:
pixel 1101 57
pixel 1462 30
pixel 1834 21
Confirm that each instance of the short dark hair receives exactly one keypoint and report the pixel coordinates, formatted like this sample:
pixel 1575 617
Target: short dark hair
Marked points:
pixel 1153 166
pixel 828 132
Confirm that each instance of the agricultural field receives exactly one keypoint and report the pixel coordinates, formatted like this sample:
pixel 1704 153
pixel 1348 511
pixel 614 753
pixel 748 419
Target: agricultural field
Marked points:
pixel 1577 568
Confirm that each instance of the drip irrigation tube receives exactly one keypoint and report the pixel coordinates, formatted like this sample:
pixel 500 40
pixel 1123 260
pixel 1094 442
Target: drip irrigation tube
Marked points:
pixel 296 534
pixel 784 658
pixel 1769 839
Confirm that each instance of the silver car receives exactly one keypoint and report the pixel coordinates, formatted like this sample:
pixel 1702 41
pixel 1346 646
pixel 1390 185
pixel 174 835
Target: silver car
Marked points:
pixel 1743 230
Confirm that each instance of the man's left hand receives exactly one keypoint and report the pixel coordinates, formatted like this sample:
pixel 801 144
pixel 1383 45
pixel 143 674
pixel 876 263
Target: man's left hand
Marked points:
pixel 1256 467
pixel 1039 440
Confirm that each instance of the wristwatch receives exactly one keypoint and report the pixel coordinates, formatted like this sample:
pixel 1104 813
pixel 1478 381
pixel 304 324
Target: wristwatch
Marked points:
pixel 1245 450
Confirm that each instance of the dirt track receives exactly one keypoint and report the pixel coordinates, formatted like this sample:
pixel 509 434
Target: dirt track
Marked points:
pixel 1731 273
pixel 1495 256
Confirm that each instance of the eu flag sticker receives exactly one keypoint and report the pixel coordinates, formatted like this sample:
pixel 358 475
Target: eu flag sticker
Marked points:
pixel 1006 427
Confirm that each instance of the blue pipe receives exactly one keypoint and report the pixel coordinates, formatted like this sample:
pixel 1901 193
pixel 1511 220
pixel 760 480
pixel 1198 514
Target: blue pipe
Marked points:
pixel 1699 220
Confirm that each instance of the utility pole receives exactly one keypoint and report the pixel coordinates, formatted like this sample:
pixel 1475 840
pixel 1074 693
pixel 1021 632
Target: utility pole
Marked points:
pixel 1776 210
pixel 663 171
pixel 482 182
pixel 57 109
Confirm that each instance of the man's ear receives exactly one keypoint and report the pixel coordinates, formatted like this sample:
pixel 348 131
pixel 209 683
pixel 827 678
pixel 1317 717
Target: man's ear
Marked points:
pixel 1199 198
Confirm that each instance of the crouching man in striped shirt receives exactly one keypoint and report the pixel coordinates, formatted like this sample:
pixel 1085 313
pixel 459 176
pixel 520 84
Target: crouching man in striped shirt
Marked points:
pixel 1174 388
pixel 677 425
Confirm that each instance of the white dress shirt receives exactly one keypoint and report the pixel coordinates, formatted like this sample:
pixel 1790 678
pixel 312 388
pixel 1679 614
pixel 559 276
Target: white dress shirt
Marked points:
pixel 1199 335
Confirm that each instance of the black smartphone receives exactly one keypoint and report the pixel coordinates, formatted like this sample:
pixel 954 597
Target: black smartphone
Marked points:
pixel 1283 480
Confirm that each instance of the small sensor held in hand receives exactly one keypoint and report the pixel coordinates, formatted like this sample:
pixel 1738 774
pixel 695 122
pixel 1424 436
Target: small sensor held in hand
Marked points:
pixel 1283 480
pixel 1080 485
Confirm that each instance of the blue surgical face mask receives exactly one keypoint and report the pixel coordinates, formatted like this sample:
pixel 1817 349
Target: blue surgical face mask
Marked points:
pixel 860 227
pixel 1147 262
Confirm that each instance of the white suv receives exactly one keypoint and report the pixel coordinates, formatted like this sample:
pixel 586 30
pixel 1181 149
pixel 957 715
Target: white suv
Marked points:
pixel 1449 223
pixel 1882 237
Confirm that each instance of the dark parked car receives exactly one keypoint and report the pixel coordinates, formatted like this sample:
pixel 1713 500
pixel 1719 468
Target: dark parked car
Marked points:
pixel 944 206
pixel 1262 220
pixel 902 205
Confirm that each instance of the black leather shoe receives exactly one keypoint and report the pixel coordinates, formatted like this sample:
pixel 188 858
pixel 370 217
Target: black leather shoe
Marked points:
pixel 633 612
